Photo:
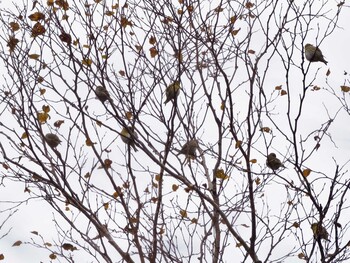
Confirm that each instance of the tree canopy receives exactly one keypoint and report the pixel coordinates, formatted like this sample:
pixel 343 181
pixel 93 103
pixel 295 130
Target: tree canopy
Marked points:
pixel 177 131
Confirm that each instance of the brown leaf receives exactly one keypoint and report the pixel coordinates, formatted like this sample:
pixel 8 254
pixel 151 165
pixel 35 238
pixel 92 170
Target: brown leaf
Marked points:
pixel 283 92
pixel 183 213
pixel 2 257
pixel 175 187
pixel 38 30
pixel 37 16
pixel 328 72
pixel 65 37
pixel 250 51
pixel 58 123
pixel 52 256
pixel 153 51
pixel 265 129
pixel 238 144
pixel 278 87
pixel 14 26
pixel 17 243
pixel 306 172
pixel 35 232
pixel 152 40
pixel 67 246
pixel 12 43
pixel 345 88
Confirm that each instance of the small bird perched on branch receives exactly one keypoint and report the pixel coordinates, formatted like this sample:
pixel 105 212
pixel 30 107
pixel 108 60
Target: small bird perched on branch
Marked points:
pixel 128 136
pixel 102 94
pixel 52 140
pixel 314 54
pixel 319 231
pixel 189 149
pixel 172 91
pixel 273 162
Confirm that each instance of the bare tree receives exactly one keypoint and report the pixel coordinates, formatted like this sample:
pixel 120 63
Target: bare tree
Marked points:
pixel 187 180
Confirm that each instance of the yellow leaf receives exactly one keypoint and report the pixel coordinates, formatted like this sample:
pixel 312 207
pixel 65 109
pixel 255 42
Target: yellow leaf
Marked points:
pixel 50 2
pixel 105 205
pixel 42 117
pixel 221 174
pixel 86 46
pixel 17 243
pixel 222 107
pixel 183 213
pixel 306 172
pixel 157 177
pixel 238 144
pixel 345 88
pixel 87 62
pixel 175 187
pixel 34 56
pixel 233 19
pixel 24 135
pixel 253 161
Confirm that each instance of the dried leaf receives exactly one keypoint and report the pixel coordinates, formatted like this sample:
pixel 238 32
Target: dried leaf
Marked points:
pixel 153 51
pixel 183 213
pixel 265 129
pixel 306 172
pixel 278 87
pixel 175 187
pixel 253 161
pixel 106 205
pixel 24 135
pixel 17 243
pixel 87 62
pixel 221 174
pixel 257 181
pixel 283 92
pixel 345 88
pixel 67 246
pixel 37 16
pixel 58 123
pixel 38 30
pixel 250 51
pixel 328 72
pixel 35 232
pixel 14 26
pixel 88 142
pixel 152 40
pixel 52 256
pixel 238 144
pixel 12 43
pixel 296 225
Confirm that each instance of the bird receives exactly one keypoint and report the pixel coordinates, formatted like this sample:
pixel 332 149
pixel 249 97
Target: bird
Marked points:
pixel 172 91
pixel 189 149
pixel 128 138
pixel 319 231
pixel 52 140
pixel 102 94
pixel 273 162
pixel 314 54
